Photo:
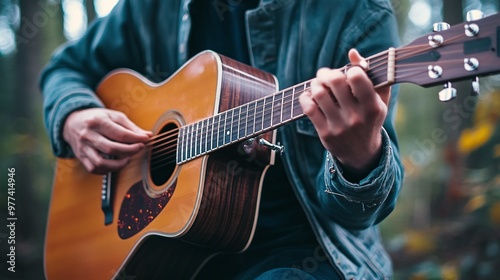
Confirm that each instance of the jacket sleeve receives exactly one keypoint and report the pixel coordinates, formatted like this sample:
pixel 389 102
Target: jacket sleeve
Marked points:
pixel 359 205
pixel 68 81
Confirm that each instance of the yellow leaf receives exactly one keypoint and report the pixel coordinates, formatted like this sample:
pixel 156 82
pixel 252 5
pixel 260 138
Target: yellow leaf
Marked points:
pixel 419 242
pixel 495 213
pixel 475 203
pixel 450 272
pixel 496 150
pixel 475 137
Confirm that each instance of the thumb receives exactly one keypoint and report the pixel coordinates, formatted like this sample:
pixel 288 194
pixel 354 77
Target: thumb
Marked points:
pixel 356 59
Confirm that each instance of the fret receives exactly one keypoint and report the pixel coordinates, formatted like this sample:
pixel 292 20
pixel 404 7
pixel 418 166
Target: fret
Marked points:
pixel 220 131
pixel 196 139
pixel 224 129
pixel 227 127
pixel 242 121
pixel 179 145
pixel 277 109
pixel 250 127
pixel 259 115
pixel 215 131
pixel 210 133
pixel 296 109
pixel 203 138
pixel 234 125
pixel 188 141
pixel 267 112
pixel 287 104
pixel 184 143
pixel 193 141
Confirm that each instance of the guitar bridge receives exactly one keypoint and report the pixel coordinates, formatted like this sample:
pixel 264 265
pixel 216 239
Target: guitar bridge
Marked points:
pixel 106 201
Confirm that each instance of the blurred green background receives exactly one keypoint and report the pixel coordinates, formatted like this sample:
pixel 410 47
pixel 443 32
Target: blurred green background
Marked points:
pixel 447 221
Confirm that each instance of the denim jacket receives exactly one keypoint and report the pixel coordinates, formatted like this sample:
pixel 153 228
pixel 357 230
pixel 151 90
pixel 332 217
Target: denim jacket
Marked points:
pixel 289 38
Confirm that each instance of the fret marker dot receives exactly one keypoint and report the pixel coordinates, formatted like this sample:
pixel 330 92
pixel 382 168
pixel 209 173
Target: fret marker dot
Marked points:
pixel 227 132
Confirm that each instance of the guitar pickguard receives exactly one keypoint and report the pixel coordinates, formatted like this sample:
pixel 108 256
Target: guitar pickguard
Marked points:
pixel 138 209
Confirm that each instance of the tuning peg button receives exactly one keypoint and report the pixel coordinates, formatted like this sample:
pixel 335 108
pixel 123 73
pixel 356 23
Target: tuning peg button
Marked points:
pixel 476 89
pixel 448 93
pixel 471 64
pixel 474 15
pixel 440 26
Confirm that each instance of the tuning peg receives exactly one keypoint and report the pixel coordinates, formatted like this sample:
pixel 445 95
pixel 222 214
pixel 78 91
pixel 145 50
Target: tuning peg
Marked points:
pixel 472 29
pixel 475 87
pixel 436 40
pixel 474 15
pixel 448 93
pixel 440 26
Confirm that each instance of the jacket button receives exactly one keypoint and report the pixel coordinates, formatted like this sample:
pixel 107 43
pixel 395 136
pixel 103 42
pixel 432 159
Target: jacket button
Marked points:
pixel 332 170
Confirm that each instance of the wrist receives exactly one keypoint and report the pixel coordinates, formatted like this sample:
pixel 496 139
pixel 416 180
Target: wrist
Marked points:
pixel 355 168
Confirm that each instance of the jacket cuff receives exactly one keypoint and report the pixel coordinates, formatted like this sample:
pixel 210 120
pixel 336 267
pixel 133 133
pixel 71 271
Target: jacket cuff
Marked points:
pixel 68 104
pixel 372 189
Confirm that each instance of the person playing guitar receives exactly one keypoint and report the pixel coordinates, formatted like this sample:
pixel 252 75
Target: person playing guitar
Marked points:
pixel 332 170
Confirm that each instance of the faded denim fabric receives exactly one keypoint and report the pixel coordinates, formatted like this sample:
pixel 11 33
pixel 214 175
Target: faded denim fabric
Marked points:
pixel 289 38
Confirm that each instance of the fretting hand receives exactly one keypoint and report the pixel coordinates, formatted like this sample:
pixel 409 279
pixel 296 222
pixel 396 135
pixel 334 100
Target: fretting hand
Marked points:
pixel 348 113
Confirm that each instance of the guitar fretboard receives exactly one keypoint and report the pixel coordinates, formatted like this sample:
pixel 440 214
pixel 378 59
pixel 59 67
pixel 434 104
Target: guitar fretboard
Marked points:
pixel 240 123
pixel 262 115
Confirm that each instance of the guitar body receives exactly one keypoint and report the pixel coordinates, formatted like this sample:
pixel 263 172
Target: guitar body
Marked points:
pixel 165 219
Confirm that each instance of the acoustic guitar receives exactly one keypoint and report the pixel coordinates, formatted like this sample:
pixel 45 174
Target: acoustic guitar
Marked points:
pixel 194 191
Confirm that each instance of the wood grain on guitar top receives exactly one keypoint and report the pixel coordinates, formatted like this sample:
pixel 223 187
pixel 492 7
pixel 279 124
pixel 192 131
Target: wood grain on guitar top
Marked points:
pixel 214 205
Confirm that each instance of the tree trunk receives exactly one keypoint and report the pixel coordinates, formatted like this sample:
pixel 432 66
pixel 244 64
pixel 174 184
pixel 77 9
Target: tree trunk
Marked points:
pixel 89 5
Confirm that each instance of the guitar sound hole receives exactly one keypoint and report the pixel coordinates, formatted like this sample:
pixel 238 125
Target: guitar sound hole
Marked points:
pixel 162 160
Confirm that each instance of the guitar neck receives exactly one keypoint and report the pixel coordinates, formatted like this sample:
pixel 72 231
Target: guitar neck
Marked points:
pixel 454 54
pixel 259 116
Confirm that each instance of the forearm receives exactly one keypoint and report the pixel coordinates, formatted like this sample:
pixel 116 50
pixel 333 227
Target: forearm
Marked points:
pixel 62 95
pixel 68 81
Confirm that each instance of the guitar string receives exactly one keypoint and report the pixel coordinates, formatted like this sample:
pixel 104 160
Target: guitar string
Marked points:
pixel 168 150
pixel 377 59
pixel 373 59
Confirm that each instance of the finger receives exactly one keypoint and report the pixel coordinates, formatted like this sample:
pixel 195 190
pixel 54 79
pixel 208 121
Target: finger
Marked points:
pixel 340 89
pixel 356 59
pixel 108 147
pixel 117 132
pixel 97 164
pixel 123 120
pixel 322 87
pixel 311 109
pixel 360 85
pixel 370 103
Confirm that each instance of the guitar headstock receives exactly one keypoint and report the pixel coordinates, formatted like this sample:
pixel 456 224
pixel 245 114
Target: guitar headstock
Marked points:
pixel 464 51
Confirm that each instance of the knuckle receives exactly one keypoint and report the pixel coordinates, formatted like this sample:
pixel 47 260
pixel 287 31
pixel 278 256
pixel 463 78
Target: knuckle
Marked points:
pixel 375 110
pixel 92 121
pixel 119 116
pixel 355 121
pixel 319 93
pixel 83 134
pixel 308 110
pixel 322 71
pixel 108 150
pixel 99 162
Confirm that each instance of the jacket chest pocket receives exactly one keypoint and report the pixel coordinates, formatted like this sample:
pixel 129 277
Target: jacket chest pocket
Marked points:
pixel 305 127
